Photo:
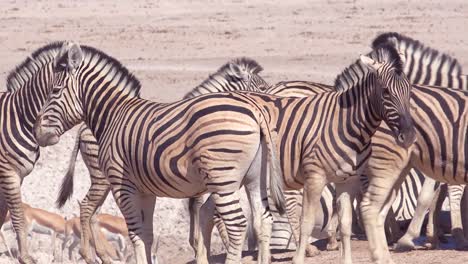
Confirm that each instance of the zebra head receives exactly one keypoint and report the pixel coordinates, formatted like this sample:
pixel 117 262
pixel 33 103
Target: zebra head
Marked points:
pixel 62 109
pixel 393 92
pixel 248 70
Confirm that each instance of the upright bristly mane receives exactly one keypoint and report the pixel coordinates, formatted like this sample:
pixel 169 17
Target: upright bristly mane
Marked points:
pixel 132 84
pixel 356 72
pixel 246 65
pixel 417 47
pixel 24 71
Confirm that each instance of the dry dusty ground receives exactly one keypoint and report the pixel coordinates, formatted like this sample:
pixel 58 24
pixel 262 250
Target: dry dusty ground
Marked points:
pixel 173 45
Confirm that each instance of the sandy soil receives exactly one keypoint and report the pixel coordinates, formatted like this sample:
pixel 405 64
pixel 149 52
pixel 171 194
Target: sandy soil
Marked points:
pixel 173 45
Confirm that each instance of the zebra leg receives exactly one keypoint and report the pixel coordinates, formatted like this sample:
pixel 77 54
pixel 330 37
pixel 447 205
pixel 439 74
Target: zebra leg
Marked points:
pixel 464 211
pixel 313 187
pixel 345 196
pixel 228 207
pixel 96 195
pixel 262 221
pixel 425 198
pixel 455 193
pixel 332 243
pixel 195 204
pixel 11 191
pixel 205 229
pixel 293 211
pixel 432 236
pixel 3 213
pixel 381 190
pixel 138 210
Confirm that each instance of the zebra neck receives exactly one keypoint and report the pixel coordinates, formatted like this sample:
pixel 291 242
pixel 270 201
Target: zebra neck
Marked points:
pixel 101 112
pixel 359 110
pixel 30 98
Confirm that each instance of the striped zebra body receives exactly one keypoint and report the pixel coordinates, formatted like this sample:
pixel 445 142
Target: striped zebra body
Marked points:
pixel 428 67
pixel 212 143
pixel 240 73
pixel 19 151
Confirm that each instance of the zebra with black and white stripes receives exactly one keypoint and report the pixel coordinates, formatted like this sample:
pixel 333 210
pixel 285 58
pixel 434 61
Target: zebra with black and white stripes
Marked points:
pixel 378 91
pixel 212 143
pixel 426 66
pixel 27 88
pixel 238 74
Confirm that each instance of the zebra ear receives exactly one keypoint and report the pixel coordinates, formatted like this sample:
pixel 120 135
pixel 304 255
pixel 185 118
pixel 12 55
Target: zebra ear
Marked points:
pixel 370 63
pixel 69 57
pixel 75 56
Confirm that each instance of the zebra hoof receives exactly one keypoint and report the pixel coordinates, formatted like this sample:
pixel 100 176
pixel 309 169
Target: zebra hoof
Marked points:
pixel 332 246
pixel 431 245
pixel 312 251
pixel 461 244
pixel 404 245
pixel 26 260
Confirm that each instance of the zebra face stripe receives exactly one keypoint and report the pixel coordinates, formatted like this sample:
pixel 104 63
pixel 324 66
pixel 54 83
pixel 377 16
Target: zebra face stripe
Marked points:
pixel 396 96
pixel 62 109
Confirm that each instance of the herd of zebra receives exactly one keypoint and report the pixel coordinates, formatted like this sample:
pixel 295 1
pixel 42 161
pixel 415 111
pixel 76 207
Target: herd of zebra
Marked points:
pixel 294 146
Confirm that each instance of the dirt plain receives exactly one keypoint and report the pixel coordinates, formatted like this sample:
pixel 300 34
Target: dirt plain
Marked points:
pixel 172 46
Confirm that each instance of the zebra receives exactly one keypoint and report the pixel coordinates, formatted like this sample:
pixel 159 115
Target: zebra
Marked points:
pixel 239 74
pixel 210 143
pixel 27 90
pixel 423 64
pixel 426 66
pixel 369 91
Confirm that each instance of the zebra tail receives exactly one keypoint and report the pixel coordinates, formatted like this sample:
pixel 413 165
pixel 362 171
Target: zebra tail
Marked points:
pixel 66 189
pixel 276 177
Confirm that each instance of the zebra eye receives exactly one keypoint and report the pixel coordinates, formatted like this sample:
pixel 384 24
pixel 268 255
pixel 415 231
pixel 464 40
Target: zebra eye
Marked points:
pixel 57 88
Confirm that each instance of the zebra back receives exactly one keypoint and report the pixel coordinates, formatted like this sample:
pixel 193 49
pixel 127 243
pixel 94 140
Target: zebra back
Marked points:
pixel 424 65
pixel 240 74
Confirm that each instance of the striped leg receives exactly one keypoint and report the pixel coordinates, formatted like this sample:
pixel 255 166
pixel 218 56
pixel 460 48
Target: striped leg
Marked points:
pixel 137 210
pixel 425 198
pixel 3 213
pixel 432 232
pixel 372 208
pixel 262 222
pixel 293 211
pixel 455 193
pixel 332 243
pixel 228 207
pixel 11 190
pixel 205 229
pixel 194 210
pixel 346 193
pixel 313 188
pixel 93 199
pixel 464 211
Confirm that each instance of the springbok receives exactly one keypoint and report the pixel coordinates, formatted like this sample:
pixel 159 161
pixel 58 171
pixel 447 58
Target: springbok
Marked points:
pixel 73 233
pixel 41 222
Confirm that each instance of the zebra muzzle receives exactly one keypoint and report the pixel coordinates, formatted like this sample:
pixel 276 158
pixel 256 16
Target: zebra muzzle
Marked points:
pixel 45 136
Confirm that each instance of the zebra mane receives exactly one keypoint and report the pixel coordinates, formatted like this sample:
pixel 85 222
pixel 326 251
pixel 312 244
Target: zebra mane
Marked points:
pixel 133 84
pixel 416 46
pixel 248 66
pixel 21 73
pixel 354 74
